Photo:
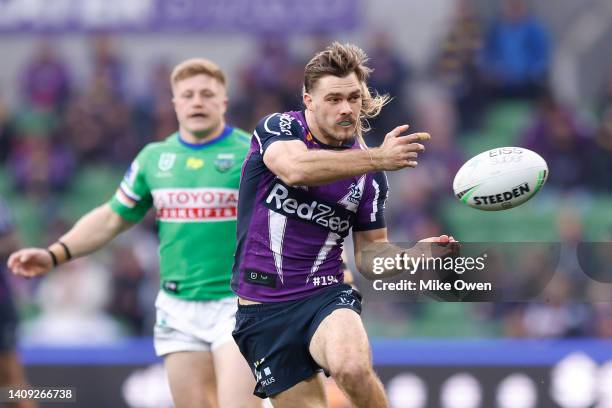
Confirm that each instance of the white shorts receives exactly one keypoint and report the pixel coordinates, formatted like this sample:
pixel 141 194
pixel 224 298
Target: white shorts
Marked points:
pixel 183 325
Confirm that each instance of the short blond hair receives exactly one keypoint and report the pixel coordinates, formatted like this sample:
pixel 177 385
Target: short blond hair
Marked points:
pixel 197 66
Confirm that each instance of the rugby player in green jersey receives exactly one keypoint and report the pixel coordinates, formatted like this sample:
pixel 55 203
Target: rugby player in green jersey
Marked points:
pixel 191 179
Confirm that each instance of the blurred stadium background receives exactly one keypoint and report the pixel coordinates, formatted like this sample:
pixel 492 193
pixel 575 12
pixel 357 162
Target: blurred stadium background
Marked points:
pixel 84 85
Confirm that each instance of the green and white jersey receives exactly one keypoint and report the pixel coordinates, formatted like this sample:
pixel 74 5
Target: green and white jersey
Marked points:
pixel 194 189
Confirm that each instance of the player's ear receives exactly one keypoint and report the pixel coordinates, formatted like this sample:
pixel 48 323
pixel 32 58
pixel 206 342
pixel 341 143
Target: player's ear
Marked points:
pixel 307 101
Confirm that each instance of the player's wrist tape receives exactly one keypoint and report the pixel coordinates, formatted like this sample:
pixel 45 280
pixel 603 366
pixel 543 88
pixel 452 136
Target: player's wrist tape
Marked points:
pixel 53 257
pixel 66 250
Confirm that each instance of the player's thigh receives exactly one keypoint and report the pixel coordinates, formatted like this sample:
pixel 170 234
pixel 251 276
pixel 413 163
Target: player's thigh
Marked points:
pixel 309 393
pixel 235 381
pixel 340 342
pixel 191 377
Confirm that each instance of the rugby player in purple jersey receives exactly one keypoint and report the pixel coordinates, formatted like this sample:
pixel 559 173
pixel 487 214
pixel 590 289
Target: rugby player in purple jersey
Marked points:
pixel 307 181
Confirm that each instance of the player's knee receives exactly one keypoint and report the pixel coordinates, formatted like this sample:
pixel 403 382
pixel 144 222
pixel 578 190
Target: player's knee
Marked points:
pixel 351 372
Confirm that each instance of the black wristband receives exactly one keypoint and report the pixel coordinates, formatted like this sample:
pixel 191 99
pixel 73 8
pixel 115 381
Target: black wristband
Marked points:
pixel 66 250
pixel 53 257
pixel 344 266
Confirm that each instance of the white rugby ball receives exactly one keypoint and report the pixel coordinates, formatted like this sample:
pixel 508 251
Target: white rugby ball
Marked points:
pixel 500 178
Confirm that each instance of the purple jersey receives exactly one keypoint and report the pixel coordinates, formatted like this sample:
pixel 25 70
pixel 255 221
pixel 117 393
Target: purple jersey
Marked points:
pixel 290 238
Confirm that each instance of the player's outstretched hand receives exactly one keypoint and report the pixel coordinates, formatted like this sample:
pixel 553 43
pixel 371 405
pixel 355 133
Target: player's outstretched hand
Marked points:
pixel 399 151
pixel 30 262
pixel 441 246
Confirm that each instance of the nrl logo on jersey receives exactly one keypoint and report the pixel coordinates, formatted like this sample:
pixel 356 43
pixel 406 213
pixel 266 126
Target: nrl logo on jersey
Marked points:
pixel 166 161
pixel 225 161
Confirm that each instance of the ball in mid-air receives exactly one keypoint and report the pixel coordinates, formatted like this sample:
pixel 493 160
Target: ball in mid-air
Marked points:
pixel 500 178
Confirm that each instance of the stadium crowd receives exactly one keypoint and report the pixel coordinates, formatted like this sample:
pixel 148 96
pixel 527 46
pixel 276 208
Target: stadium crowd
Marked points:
pixel 487 77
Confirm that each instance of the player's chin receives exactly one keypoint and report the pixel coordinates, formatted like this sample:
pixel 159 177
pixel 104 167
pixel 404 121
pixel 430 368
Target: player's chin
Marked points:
pixel 345 132
pixel 200 128
pixel 198 121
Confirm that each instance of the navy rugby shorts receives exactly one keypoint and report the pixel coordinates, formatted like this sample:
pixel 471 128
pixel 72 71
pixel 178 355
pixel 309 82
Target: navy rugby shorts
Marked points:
pixel 275 337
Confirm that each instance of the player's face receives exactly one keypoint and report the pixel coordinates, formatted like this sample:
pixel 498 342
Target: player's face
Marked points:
pixel 335 104
pixel 200 103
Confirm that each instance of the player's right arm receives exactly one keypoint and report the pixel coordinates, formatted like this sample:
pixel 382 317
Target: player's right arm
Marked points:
pixel 287 156
pixel 94 230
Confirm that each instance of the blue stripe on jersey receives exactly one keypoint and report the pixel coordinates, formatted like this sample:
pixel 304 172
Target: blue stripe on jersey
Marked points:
pixel 227 130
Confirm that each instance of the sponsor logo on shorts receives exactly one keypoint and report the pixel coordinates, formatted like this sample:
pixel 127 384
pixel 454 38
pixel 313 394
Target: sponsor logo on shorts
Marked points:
pixel 263 375
pixel 350 298
pixel 346 301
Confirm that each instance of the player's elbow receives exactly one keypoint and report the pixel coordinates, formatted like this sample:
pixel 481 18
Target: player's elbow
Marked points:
pixel 293 175
pixel 294 179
